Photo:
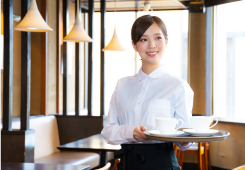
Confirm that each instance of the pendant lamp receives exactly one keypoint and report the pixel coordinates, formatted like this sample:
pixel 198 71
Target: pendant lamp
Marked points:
pixel 33 21
pixel 77 33
pixel 114 44
pixel 1 23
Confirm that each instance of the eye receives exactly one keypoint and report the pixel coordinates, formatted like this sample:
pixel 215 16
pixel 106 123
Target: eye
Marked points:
pixel 158 38
pixel 143 39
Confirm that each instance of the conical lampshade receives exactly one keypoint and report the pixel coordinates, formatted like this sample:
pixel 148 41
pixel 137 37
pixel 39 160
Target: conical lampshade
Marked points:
pixel 1 23
pixel 114 44
pixel 77 33
pixel 33 21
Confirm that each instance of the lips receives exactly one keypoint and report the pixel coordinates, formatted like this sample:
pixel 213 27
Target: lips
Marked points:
pixel 152 54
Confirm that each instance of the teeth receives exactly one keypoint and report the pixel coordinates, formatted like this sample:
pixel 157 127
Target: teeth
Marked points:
pixel 152 53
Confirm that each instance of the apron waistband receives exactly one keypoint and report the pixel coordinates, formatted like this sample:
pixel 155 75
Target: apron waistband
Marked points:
pixel 139 157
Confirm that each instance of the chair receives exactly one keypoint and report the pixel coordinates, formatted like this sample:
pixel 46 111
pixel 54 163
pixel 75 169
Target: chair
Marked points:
pixel 115 165
pixel 106 167
pixel 201 150
pixel 238 168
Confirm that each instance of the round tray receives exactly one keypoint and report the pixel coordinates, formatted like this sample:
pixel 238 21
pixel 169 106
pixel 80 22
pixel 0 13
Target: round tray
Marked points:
pixel 221 135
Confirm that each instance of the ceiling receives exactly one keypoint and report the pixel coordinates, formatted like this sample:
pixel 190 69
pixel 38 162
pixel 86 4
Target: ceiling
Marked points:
pixel 138 5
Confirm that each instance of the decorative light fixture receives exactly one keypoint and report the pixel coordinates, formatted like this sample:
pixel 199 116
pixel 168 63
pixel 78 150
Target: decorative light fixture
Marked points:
pixel 114 44
pixel 1 23
pixel 77 33
pixel 33 21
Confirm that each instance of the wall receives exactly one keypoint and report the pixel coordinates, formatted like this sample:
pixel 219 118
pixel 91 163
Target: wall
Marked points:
pixel 52 57
pixel 197 28
pixel 36 64
pixel 229 153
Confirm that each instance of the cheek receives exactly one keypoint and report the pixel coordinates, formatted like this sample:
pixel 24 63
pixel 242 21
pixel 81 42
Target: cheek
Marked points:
pixel 161 45
pixel 141 46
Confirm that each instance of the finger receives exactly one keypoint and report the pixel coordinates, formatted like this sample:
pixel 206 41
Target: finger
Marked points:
pixel 143 135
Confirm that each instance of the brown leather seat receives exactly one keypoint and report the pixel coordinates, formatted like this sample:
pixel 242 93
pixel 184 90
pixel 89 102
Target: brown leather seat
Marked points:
pixel 72 158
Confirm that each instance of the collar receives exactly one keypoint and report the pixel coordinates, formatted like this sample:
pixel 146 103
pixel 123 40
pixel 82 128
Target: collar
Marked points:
pixel 160 71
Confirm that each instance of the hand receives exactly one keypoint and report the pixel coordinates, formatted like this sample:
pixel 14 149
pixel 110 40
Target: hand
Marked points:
pixel 139 135
pixel 184 144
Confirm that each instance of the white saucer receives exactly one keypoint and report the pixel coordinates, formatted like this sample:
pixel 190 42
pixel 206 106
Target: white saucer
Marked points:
pixel 158 133
pixel 192 132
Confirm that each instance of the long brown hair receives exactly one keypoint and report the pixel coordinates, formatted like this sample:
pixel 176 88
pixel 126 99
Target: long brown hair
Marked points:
pixel 143 23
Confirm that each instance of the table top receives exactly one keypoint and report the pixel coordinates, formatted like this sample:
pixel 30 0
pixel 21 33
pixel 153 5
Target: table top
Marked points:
pixel 92 143
pixel 35 166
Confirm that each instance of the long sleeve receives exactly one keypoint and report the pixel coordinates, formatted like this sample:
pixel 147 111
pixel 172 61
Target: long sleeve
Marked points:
pixel 183 108
pixel 113 132
pixel 183 105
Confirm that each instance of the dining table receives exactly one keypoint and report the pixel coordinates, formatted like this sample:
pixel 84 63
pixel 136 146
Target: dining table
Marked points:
pixel 94 143
pixel 38 166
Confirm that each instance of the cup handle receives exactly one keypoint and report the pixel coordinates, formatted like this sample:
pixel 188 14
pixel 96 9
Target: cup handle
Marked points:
pixel 215 122
pixel 182 123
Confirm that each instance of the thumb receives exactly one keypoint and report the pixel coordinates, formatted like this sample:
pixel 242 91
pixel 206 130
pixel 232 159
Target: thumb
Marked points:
pixel 142 128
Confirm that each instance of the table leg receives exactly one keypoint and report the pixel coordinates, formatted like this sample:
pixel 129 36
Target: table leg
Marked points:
pixel 103 159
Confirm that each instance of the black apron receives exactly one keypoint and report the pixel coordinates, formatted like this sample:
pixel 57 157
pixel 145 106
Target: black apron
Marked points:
pixel 159 156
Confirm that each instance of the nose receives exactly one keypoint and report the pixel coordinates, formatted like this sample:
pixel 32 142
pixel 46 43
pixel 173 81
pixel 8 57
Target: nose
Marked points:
pixel 151 44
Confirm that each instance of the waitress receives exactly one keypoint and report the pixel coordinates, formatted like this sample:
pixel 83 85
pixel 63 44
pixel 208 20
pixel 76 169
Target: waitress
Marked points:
pixel 137 100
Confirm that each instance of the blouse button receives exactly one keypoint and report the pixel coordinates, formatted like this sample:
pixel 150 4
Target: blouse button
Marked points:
pixel 139 103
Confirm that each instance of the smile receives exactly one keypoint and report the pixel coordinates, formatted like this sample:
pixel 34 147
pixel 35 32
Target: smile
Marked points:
pixel 152 54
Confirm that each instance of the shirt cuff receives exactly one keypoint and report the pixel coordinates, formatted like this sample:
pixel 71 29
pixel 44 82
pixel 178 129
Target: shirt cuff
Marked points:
pixel 183 147
pixel 130 133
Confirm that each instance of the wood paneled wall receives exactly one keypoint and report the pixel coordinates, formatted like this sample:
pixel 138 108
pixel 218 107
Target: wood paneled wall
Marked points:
pixel 197 33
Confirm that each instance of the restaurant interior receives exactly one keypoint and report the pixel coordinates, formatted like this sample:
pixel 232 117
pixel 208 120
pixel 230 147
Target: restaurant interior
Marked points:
pixel 60 66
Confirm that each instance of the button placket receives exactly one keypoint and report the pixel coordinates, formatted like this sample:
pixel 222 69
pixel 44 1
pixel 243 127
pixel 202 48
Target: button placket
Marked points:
pixel 141 97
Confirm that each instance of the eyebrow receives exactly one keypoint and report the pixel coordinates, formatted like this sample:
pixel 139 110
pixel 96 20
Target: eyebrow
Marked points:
pixel 153 34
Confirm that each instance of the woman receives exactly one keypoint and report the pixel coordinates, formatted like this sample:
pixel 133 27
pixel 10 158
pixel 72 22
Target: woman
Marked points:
pixel 139 99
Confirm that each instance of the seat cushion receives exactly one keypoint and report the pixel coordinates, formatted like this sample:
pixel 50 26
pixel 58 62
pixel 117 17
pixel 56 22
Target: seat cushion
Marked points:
pixel 72 158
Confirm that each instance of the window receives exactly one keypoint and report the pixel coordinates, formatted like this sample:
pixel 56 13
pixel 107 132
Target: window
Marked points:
pixel 229 61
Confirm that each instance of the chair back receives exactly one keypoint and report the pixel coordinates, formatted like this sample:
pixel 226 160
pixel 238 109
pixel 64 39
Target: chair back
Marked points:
pixel 115 165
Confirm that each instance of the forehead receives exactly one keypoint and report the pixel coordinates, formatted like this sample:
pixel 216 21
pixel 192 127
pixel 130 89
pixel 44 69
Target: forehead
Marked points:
pixel 153 29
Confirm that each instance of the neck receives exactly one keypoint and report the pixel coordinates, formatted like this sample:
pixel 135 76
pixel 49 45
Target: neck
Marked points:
pixel 147 68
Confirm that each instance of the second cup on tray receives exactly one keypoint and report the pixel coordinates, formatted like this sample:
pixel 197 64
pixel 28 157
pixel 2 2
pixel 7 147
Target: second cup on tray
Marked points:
pixel 167 125
pixel 202 123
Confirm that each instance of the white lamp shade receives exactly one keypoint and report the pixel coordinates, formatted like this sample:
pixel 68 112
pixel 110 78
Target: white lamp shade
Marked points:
pixel 77 33
pixel 33 21
pixel 114 44
pixel 1 23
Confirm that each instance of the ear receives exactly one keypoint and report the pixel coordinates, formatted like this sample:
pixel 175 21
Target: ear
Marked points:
pixel 166 40
pixel 134 46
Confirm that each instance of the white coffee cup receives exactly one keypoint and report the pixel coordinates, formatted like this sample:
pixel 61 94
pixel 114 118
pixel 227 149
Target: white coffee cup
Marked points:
pixel 202 123
pixel 167 125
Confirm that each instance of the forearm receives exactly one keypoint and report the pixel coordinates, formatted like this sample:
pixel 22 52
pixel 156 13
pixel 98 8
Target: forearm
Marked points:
pixel 116 135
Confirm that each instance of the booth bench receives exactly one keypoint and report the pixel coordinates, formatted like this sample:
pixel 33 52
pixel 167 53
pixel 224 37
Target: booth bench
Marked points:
pixel 47 141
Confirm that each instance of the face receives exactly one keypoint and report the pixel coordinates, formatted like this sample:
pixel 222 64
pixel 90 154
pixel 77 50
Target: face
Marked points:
pixel 151 45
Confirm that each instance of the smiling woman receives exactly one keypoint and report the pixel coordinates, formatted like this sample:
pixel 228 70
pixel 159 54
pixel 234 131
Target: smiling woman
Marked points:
pixel 138 100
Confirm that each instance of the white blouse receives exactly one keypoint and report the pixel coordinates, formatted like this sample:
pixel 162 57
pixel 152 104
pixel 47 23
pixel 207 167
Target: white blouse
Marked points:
pixel 139 99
